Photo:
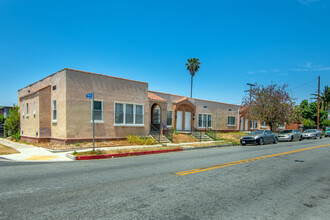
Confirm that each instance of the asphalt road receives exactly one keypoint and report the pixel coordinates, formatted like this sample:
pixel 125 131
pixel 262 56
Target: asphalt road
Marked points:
pixel 281 186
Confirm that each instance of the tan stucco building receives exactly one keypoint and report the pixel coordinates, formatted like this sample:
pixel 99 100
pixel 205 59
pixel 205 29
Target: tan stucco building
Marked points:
pixel 56 109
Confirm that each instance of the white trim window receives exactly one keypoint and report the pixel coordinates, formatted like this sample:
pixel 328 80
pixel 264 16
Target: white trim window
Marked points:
pixel 54 111
pixel 23 110
pixel 129 114
pixel 204 120
pixel 263 124
pixel 98 111
pixel 253 124
pixel 34 107
pixel 169 118
pixel 231 121
pixel 27 109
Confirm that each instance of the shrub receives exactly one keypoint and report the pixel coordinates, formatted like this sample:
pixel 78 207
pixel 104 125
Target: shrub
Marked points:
pixel 309 123
pixel 11 126
pixel 134 139
pixel 325 123
pixel 2 118
pixel 16 136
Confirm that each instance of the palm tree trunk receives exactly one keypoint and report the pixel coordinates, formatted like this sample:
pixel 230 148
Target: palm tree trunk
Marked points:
pixel 191 86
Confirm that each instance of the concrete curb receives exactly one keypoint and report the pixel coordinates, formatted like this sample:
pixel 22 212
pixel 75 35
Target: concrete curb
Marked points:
pixel 207 147
pixel 93 157
pixel 106 156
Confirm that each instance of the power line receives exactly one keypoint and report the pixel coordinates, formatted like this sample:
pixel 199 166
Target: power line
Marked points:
pixel 305 83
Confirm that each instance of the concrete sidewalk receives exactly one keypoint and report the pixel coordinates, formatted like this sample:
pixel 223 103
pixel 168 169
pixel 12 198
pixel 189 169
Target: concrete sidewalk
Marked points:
pixel 31 153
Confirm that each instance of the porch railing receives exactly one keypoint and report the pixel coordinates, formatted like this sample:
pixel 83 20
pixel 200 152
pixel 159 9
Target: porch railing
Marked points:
pixel 197 134
pixel 168 133
pixel 154 132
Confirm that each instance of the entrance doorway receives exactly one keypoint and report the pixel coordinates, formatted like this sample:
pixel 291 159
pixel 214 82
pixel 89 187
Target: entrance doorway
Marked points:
pixel 187 121
pixel 179 120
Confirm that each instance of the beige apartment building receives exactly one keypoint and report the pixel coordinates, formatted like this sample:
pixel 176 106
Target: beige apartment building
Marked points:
pixel 56 109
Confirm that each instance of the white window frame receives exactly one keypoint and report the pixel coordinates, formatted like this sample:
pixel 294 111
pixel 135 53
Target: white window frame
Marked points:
pixel 27 109
pixel 54 120
pixel 254 122
pixel 34 107
pixel 262 125
pixel 207 114
pixel 234 121
pixel 23 109
pixel 124 114
pixel 171 120
pixel 96 121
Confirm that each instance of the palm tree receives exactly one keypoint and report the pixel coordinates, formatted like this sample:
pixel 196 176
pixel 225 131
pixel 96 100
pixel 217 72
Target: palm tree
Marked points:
pixel 325 97
pixel 192 67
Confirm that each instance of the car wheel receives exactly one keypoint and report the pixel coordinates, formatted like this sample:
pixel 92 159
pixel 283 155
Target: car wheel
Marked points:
pixel 321 137
pixel 315 137
pixel 261 141
pixel 291 139
pixel 275 140
pixel 300 138
pixel 243 144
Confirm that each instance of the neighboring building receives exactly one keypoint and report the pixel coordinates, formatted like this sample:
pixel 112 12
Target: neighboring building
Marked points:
pixel 250 125
pixel 56 109
pixel 5 110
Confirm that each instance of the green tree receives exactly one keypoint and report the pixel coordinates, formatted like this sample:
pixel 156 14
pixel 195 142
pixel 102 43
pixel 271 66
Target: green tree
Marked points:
pixel 2 118
pixel 12 123
pixel 325 123
pixel 309 111
pixel 271 104
pixel 192 67
pixel 325 98
pixel 308 123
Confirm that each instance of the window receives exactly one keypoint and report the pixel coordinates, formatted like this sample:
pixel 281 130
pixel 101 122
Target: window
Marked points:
pixel 231 121
pixel 169 118
pixel 23 110
pixel 253 124
pixel 119 113
pixel 27 109
pixel 54 108
pixel 229 109
pixel 263 124
pixel 156 115
pixel 129 114
pixel 98 111
pixel 138 114
pixel 205 106
pixel 34 107
pixel 204 121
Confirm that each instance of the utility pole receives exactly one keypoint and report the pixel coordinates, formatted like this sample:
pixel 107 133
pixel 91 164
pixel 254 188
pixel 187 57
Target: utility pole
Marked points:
pixel 318 104
pixel 251 85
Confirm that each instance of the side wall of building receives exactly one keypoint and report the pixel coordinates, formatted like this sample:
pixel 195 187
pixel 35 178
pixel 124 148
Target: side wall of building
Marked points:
pixel 108 90
pixel 41 126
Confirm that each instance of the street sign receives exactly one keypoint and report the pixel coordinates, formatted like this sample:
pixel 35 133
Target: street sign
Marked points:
pixel 89 95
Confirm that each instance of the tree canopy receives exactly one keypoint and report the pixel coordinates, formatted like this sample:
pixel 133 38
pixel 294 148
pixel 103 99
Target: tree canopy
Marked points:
pixel 193 65
pixel 272 104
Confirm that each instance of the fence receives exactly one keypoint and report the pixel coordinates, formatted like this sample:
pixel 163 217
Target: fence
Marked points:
pixel 2 131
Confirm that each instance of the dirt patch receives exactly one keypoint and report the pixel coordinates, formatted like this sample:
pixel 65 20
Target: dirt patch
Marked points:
pixel 7 150
pixel 231 137
pixel 121 151
pixel 183 138
pixel 84 145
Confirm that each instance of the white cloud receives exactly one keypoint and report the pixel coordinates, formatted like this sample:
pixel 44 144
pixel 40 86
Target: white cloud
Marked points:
pixel 307 2
pixel 250 72
pixel 262 71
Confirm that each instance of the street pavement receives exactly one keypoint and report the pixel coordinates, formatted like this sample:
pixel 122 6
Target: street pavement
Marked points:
pixel 294 185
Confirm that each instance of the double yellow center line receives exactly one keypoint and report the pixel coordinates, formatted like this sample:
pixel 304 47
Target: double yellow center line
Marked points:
pixel 245 161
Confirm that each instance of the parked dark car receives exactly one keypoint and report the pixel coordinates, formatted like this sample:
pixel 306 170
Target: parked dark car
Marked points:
pixel 259 137
pixel 327 132
pixel 312 133
pixel 289 135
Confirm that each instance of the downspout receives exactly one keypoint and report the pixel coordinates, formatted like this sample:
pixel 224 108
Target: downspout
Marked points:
pixel 239 120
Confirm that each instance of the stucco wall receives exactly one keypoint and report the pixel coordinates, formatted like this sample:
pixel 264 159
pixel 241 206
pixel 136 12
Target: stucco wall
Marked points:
pixel 106 89
pixel 222 110
pixel 29 126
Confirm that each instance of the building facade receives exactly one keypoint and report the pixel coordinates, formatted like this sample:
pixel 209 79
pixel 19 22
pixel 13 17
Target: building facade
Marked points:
pixel 56 109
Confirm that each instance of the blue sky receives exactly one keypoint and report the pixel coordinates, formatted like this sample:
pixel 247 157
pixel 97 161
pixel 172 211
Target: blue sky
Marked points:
pixel 237 42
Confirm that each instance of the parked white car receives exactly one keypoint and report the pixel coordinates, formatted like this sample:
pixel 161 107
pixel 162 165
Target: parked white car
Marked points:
pixel 312 133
